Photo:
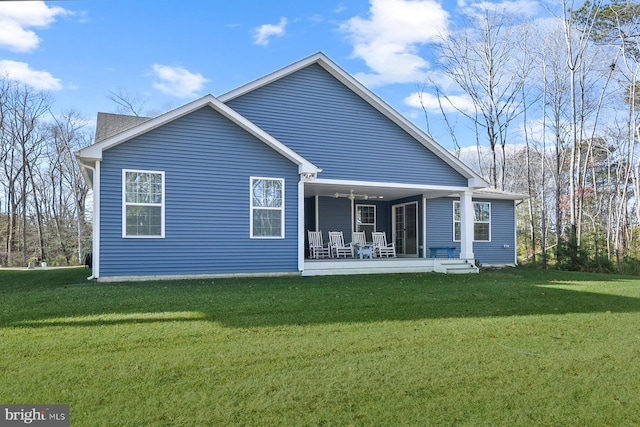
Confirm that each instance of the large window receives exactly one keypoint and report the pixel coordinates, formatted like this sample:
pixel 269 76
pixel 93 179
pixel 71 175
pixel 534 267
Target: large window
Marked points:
pixel 366 220
pixel 267 208
pixel 143 203
pixel 481 221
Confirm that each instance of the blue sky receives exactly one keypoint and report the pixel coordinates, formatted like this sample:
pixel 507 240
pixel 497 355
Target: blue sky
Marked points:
pixel 172 52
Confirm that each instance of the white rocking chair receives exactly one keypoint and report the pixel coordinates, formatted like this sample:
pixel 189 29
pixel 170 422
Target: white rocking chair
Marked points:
pixel 317 248
pixel 338 248
pixel 358 238
pixel 360 245
pixel 380 245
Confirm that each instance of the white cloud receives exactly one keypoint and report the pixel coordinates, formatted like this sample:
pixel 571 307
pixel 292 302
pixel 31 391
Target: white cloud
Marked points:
pixel 263 33
pixel 177 81
pixel 389 40
pixel 17 16
pixel 450 104
pixel 20 72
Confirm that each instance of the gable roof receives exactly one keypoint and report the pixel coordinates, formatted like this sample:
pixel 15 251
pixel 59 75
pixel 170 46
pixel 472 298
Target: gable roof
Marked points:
pixel 112 124
pixel 128 129
pixel 475 180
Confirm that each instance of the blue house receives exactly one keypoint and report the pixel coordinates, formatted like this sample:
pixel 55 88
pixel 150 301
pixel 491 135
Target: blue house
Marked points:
pixel 230 185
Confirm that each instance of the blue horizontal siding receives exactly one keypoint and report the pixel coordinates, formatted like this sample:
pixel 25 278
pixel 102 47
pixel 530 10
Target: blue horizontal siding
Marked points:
pixel 334 215
pixel 208 162
pixel 440 230
pixel 502 233
pixel 324 121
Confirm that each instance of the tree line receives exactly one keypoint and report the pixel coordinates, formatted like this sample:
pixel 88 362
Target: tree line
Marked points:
pixel 553 107
pixel 42 192
pixel 555 115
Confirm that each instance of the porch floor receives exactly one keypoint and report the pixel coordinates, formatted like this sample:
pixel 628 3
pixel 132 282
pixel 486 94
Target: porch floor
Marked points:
pixel 337 266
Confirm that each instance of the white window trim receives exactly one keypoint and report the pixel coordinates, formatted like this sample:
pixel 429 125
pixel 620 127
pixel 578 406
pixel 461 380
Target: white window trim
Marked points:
pixel 375 215
pixel 251 208
pixel 125 204
pixel 474 221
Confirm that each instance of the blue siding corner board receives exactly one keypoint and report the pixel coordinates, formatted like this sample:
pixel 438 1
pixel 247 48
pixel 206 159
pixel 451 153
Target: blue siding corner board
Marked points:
pixel 314 114
pixel 208 162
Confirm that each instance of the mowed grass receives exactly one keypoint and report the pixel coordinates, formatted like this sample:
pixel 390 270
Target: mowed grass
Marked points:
pixel 506 348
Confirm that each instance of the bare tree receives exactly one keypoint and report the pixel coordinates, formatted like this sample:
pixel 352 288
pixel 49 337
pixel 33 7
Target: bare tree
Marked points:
pixel 616 25
pixel 23 109
pixel 66 180
pixel 129 104
pixel 134 104
pixel 480 60
pixel 577 34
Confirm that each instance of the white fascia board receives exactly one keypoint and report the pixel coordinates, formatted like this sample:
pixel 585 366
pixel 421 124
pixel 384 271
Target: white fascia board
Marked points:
pixel 87 168
pixel 276 75
pixel 477 182
pixel 375 101
pixel 95 151
pixel 304 166
pixel 419 187
pixel 493 194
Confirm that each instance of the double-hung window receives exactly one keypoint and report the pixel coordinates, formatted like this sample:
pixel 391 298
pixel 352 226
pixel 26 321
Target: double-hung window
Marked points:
pixel 267 208
pixel 481 221
pixel 366 219
pixel 142 203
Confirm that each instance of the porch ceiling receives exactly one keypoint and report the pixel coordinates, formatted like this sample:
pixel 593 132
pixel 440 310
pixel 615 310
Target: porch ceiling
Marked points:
pixel 372 191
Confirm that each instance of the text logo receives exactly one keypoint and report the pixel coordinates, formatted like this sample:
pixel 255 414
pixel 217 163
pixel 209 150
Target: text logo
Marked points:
pixel 34 415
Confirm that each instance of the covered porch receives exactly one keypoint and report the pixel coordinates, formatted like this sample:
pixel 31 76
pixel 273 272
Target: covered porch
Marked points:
pixel 403 212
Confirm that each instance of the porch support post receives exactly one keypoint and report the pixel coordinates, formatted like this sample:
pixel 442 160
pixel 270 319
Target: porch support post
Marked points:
pixel 317 214
pixel 424 226
pixel 353 216
pixel 95 247
pixel 466 226
pixel 301 233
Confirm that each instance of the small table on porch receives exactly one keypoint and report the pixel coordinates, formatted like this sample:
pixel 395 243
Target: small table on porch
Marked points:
pixel 365 250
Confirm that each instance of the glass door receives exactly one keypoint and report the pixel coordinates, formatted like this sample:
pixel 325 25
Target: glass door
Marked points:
pixel 405 228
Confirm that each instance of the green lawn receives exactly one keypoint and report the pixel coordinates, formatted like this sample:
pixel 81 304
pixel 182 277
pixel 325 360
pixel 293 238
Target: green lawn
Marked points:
pixel 510 348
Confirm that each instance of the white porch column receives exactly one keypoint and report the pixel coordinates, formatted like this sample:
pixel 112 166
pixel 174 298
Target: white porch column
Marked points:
pixel 466 226
pixel 424 226
pixel 301 231
pixel 95 243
